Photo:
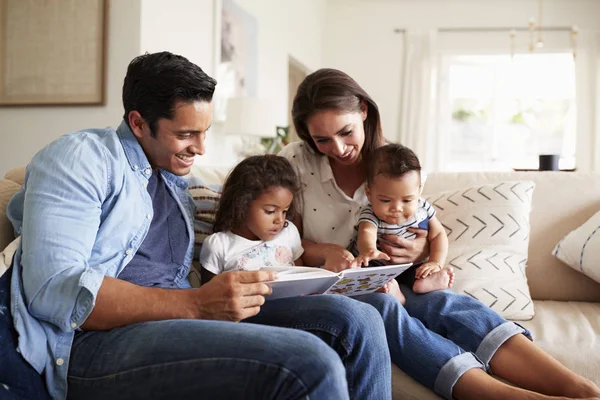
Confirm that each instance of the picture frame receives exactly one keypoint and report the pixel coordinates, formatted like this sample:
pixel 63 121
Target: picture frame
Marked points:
pixel 235 54
pixel 53 52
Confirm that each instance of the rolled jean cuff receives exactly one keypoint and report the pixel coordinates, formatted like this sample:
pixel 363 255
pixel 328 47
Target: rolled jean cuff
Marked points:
pixel 496 338
pixel 452 371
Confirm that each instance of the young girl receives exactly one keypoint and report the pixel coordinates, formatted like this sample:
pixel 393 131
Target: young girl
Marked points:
pixel 251 228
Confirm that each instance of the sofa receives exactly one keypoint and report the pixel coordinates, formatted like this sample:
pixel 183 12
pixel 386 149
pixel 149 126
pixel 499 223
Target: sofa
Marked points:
pixel 567 304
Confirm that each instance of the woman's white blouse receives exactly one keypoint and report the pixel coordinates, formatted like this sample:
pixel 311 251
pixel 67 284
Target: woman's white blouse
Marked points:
pixel 328 214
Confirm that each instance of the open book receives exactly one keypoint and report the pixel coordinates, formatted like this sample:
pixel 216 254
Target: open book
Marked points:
pixel 299 281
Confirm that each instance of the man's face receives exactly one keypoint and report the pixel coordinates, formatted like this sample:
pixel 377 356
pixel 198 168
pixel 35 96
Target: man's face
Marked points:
pixel 395 200
pixel 178 140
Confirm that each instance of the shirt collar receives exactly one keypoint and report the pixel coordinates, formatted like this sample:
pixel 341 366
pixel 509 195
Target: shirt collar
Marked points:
pixel 133 151
pixel 137 158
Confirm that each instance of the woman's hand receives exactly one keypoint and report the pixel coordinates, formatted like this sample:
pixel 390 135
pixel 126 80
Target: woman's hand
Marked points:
pixel 373 254
pixel 338 259
pixel 402 250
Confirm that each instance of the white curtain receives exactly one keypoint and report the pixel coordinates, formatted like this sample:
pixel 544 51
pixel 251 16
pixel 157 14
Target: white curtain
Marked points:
pixel 417 92
pixel 587 72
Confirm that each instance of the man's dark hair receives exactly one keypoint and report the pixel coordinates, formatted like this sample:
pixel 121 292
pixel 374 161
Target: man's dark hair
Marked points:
pixel 392 160
pixel 248 180
pixel 156 82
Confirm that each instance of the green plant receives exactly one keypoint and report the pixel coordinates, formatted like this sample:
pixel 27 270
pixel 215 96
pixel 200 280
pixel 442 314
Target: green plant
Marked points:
pixel 273 145
pixel 462 115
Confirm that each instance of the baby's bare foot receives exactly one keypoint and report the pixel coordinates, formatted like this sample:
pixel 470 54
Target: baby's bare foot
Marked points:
pixel 450 272
pixel 438 281
pixel 393 289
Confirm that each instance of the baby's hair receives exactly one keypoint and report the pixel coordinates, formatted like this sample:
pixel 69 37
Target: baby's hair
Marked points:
pixel 392 160
pixel 248 180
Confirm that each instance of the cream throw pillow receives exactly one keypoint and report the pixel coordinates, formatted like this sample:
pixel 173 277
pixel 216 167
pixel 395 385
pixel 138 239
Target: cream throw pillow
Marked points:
pixel 580 249
pixel 488 233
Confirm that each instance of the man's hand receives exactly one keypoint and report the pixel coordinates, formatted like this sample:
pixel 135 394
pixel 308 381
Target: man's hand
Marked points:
pixel 338 259
pixel 373 254
pixel 402 250
pixel 232 296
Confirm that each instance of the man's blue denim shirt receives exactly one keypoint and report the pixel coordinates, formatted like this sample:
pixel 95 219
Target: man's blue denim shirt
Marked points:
pixel 82 213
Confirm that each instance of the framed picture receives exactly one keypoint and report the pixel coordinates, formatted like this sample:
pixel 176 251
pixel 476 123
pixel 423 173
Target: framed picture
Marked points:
pixel 52 52
pixel 236 70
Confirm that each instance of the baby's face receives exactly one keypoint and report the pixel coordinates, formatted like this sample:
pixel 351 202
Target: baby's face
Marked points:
pixel 395 200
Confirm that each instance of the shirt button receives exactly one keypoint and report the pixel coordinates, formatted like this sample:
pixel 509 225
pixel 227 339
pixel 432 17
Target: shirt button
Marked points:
pixel 149 216
pixel 128 251
pixel 135 167
pixel 147 171
pixel 60 361
pixel 73 325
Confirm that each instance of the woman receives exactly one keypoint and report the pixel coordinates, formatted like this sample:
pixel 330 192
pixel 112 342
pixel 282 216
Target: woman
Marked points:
pixel 447 342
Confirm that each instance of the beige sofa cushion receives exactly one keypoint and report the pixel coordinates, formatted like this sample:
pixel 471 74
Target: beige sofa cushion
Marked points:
pixel 570 332
pixel 562 201
pixel 16 175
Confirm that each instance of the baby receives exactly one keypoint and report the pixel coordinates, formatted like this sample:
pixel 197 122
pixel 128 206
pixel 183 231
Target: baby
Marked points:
pixel 394 191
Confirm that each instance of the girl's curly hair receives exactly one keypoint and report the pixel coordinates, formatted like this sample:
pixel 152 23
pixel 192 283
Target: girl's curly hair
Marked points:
pixel 248 180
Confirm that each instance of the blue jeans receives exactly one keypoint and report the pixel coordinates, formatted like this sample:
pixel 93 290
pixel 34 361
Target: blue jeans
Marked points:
pixel 18 379
pixel 440 335
pixel 344 356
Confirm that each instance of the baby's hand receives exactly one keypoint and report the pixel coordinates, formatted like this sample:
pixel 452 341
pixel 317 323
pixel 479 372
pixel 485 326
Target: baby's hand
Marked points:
pixel 427 269
pixel 373 254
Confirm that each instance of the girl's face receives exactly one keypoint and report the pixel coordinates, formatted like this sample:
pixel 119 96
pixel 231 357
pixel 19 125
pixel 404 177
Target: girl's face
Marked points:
pixel 339 135
pixel 266 216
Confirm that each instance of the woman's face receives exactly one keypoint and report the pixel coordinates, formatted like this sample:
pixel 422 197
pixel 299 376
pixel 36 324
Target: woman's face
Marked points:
pixel 339 135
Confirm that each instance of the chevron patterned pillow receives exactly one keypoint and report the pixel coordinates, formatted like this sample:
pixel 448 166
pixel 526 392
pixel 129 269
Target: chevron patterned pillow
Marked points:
pixel 488 233
pixel 580 249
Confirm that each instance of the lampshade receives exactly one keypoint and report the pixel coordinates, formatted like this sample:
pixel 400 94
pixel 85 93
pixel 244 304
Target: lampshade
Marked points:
pixel 250 116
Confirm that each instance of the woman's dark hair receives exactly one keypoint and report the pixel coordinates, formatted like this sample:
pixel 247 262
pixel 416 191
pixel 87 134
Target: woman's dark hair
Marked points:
pixel 331 89
pixel 248 180
pixel 392 160
pixel 156 82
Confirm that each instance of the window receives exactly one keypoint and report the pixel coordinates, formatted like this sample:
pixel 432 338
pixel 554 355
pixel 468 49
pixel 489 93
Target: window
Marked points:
pixel 503 112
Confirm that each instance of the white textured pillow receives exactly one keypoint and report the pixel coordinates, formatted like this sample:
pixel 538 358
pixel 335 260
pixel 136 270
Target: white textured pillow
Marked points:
pixel 488 232
pixel 580 249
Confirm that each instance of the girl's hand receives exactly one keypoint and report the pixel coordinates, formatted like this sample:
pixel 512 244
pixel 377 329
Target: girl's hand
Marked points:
pixel 338 259
pixel 373 254
pixel 427 269
pixel 402 250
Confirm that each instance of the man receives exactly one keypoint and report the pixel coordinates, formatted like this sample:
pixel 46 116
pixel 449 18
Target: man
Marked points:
pixel 99 286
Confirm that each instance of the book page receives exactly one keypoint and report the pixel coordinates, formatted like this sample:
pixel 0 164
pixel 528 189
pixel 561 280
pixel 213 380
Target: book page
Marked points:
pixel 300 287
pixel 359 281
pixel 299 281
pixel 291 273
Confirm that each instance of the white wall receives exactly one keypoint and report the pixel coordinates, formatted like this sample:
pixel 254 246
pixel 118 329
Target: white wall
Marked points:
pixel 182 27
pixel 25 130
pixel 187 27
pixel 285 27
pixel 359 38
